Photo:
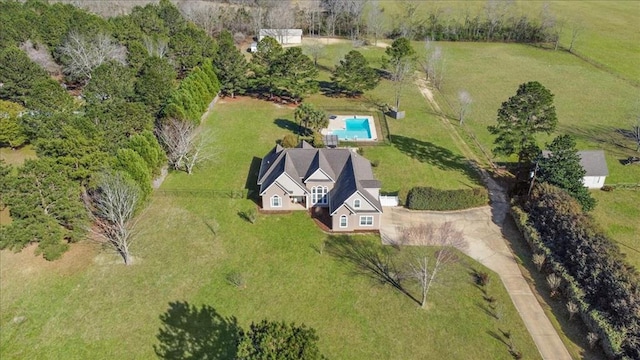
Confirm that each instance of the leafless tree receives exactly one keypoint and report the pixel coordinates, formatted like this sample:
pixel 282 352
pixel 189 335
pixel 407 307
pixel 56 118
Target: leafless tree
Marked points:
pixel 496 10
pixel 315 50
pixel 83 54
pixel 549 23
pixel 205 15
pixel 280 15
pixel 39 54
pixel 375 21
pixel 576 30
pixel 554 281
pixel 538 260
pixel 408 20
pixel 312 15
pixel 464 103
pixel 445 236
pixel 334 9
pixel 354 9
pixel 401 71
pixel 156 47
pixel 113 205
pixel 635 132
pixel 433 64
pixel 572 308
pixel 185 144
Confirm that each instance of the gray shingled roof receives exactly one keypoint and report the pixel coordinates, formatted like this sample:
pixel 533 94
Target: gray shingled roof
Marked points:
pixel 592 161
pixel 351 172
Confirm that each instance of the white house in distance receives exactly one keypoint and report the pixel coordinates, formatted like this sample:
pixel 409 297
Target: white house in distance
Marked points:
pixel 595 165
pixel 282 36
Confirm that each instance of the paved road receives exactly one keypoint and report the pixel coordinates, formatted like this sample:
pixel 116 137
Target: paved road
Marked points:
pixel 482 230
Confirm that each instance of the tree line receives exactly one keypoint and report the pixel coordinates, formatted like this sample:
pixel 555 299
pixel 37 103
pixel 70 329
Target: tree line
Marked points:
pixel 90 95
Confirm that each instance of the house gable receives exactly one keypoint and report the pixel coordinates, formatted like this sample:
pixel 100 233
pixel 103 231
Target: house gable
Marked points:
pixel 286 183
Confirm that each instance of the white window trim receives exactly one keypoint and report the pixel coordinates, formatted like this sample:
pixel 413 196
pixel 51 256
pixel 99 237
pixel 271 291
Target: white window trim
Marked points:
pixel 363 217
pixel 346 221
pixel 320 195
pixel 274 197
pixel 356 204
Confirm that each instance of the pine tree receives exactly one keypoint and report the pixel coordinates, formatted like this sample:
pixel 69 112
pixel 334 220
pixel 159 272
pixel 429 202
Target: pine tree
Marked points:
pixel 353 75
pixel 230 66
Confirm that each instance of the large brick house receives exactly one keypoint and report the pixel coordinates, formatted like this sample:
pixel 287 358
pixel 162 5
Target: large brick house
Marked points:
pixel 337 179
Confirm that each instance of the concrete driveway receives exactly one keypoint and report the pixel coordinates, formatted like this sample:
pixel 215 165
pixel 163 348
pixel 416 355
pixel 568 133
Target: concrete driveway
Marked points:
pixel 487 245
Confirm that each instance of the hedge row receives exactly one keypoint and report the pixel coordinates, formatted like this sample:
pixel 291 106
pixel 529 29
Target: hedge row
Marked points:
pixel 191 99
pixel 428 198
pixel 610 338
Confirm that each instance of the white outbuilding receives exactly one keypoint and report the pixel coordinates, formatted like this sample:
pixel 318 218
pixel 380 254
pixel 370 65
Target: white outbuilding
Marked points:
pixel 282 36
pixel 595 164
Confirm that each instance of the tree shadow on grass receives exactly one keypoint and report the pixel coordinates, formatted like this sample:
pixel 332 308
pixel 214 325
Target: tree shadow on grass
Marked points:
pixel 292 126
pixel 373 261
pixel 189 332
pixel 435 155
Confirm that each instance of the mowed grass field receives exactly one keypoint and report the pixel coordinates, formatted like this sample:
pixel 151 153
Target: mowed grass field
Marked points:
pixel 591 104
pixel 608 30
pixel 88 305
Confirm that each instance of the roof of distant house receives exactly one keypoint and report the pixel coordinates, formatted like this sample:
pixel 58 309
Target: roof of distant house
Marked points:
pixel 592 161
pixel 288 32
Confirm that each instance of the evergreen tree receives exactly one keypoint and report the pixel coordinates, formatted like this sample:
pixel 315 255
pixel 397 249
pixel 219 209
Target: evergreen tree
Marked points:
pixel 274 340
pixel 11 131
pixel 528 112
pixel 561 167
pixel 354 75
pixel 295 73
pixel 154 83
pixel 45 207
pixel 230 66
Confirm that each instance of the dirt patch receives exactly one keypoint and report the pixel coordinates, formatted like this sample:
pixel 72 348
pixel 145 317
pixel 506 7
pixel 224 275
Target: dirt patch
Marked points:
pixel 26 263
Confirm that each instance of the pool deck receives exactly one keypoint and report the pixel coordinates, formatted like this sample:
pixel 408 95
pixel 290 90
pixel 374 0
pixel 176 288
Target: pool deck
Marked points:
pixel 338 122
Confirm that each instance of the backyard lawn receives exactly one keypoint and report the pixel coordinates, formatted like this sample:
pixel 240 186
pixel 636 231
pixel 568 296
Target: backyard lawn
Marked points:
pixel 187 247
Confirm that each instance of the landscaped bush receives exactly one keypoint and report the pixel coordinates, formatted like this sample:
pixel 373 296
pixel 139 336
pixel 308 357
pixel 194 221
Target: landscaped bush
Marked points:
pixel 427 198
pixel 595 277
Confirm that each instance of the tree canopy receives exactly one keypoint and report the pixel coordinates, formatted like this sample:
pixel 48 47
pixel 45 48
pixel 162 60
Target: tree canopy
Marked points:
pixel 230 66
pixel 278 340
pixel 520 118
pixel 561 167
pixel 354 75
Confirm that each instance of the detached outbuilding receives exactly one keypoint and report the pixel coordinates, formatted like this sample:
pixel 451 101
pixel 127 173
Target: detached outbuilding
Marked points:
pixel 595 164
pixel 282 36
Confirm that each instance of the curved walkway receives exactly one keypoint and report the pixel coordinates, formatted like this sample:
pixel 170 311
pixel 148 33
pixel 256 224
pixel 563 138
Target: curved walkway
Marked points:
pixel 483 229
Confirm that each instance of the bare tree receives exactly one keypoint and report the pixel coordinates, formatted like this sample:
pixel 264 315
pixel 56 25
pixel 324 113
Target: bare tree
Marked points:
pixel 635 132
pixel 445 236
pixel 433 64
pixel 156 47
pixel 334 9
pixel 205 15
pixel 464 103
pixel 113 205
pixel 496 10
pixel 315 50
pixel 408 21
pixel 354 9
pixel 400 73
pixel 83 54
pixel 186 146
pixel 576 30
pixel 375 21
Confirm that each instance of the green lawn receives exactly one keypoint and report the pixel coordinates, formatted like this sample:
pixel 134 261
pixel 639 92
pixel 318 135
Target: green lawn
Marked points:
pixel 591 104
pixel 89 305
pixel 17 157
pixel 609 29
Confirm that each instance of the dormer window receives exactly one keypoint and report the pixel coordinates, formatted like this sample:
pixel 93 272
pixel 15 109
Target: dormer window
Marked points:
pixel 356 204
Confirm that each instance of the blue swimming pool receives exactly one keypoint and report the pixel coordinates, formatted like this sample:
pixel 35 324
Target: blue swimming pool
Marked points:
pixel 356 129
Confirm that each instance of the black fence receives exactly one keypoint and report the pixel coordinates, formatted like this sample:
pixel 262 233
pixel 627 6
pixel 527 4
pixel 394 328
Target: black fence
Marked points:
pixel 209 193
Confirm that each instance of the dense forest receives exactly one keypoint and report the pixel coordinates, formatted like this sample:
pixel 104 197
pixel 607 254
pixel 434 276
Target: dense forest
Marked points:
pixel 89 94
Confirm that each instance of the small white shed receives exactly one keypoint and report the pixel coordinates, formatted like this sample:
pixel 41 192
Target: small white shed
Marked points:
pixel 254 47
pixel 282 36
pixel 595 164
